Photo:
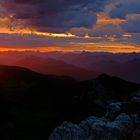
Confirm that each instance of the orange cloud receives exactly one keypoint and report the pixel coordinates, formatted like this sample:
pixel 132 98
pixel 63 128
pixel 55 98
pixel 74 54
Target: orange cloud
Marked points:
pixel 107 47
pixel 4 20
pixel 89 46
pixel 30 31
pixel 103 19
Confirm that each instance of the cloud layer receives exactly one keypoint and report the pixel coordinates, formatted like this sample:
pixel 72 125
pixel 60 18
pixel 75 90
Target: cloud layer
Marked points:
pixel 122 10
pixel 132 25
pixel 55 15
pixel 107 20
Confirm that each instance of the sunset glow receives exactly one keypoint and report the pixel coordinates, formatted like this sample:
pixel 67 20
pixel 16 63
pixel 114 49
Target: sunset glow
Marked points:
pixel 102 19
pixel 69 69
pixel 78 47
pixel 30 30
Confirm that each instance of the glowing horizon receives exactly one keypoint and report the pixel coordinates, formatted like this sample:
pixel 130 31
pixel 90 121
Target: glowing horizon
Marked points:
pixel 80 47
pixel 103 28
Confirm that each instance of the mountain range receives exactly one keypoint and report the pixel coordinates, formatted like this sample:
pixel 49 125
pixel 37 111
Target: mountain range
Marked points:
pixel 80 66
pixel 33 104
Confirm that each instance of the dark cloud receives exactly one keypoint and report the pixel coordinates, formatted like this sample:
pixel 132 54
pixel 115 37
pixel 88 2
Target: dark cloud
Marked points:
pixel 132 25
pixel 55 15
pixel 37 41
pixel 122 10
pixel 109 30
pixel 135 38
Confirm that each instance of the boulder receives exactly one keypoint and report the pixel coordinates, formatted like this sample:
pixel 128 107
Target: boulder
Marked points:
pixel 68 131
pixel 136 98
pixel 113 110
pixel 112 130
pixel 94 128
pixel 136 131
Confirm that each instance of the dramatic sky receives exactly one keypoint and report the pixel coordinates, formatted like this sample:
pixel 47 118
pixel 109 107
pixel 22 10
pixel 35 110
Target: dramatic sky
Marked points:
pixel 70 25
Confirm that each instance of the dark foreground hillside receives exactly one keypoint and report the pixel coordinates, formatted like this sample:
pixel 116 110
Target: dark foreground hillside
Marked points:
pixel 32 104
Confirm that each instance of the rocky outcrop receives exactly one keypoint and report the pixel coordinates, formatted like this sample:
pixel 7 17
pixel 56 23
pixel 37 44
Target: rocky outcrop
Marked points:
pixel 136 98
pixel 102 129
pixel 136 131
pixel 120 119
pixel 93 128
pixel 113 110
pixel 68 131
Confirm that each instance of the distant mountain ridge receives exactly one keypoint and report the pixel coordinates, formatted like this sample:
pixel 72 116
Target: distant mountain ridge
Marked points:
pixel 56 67
pixel 79 65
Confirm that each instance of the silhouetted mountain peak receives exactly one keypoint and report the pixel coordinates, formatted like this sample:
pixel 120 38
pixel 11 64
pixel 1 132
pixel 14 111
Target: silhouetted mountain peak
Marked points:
pixel 112 80
pixel 106 88
pixel 19 77
pixel 104 76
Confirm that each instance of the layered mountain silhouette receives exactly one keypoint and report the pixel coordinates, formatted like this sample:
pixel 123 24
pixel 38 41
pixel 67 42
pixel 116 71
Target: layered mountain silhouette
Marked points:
pixel 33 104
pixel 81 66
pixel 19 77
pixel 127 70
pixel 56 67
pixel 125 66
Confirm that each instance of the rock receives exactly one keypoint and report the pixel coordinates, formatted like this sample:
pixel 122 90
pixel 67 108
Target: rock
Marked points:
pixel 94 128
pixel 88 123
pixel 136 98
pixel 125 123
pixel 113 110
pixel 136 131
pixel 68 131
pixel 136 117
pixel 112 130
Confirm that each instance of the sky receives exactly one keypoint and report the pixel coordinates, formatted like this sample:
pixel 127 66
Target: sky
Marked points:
pixel 70 25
